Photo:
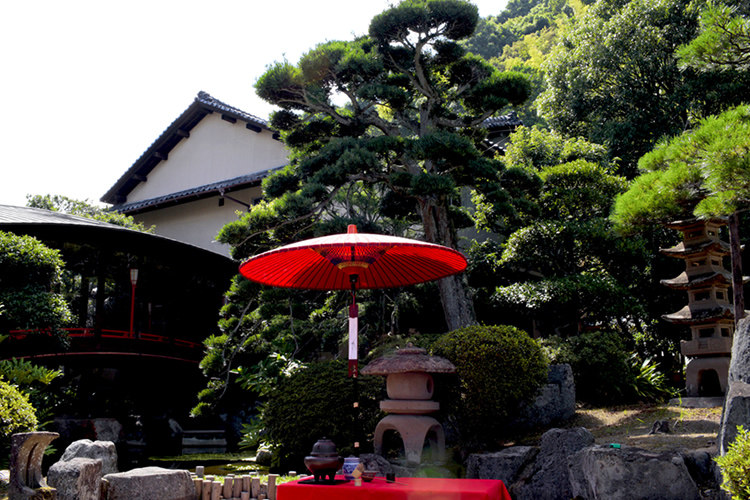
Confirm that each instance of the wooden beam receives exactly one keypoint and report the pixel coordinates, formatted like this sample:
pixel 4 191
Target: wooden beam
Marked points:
pixel 161 156
pixel 182 133
pixel 229 119
pixel 252 127
pixel 140 178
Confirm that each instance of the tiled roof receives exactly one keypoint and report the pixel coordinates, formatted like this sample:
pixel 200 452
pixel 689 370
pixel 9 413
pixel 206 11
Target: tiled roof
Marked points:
pixel 689 282
pixel 46 223
pixel 690 249
pixel 196 192
pixel 691 316
pixel 504 121
pixel 208 100
pixel 26 215
pixel 203 105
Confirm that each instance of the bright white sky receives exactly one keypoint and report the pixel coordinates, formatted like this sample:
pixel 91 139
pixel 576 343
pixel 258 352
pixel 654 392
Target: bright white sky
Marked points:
pixel 88 85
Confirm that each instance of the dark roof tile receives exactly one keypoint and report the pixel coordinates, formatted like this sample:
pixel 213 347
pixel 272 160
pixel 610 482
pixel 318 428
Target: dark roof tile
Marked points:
pixel 203 105
pixel 225 185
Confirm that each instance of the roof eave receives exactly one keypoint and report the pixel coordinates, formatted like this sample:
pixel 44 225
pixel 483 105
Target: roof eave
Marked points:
pixel 179 129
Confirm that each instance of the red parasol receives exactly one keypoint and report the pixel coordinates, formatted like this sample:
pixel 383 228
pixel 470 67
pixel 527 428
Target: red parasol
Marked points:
pixel 351 261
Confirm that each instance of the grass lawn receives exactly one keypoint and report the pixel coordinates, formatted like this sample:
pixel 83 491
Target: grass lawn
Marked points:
pixel 691 428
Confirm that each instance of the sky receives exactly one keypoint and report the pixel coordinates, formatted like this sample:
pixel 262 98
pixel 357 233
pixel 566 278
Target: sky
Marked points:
pixel 88 85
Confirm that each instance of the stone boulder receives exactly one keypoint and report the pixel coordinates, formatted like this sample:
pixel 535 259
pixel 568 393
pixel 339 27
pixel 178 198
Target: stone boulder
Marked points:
pixel 737 403
pixel 76 479
pixel 148 483
pixel 736 412
pixel 739 368
pixel 602 472
pixel 547 478
pixel 108 429
pixel 505 465
pixel 555 403
pixel 702 468
pixel 263 455
pixel 371 461
pixel 98 450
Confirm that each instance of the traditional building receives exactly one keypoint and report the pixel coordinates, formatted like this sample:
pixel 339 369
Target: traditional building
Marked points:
pixel 209 163
pixel 135 338
pixel 199 172
pixel 709 313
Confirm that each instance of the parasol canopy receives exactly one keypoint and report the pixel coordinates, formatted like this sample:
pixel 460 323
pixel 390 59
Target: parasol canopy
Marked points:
pixel 353 261
pixel 376 261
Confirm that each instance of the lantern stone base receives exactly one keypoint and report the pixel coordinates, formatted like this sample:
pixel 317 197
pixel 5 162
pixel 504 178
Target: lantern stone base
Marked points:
pixel 707 376
pixel 413 429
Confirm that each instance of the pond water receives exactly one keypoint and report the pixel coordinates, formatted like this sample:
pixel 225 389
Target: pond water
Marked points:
pixel 236 468
pixel 213 465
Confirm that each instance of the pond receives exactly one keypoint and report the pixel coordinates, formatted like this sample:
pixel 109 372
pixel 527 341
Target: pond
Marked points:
pixel 216 464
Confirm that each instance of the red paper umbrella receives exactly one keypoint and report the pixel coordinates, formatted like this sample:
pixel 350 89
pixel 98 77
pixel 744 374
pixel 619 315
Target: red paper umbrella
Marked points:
pixel 353 261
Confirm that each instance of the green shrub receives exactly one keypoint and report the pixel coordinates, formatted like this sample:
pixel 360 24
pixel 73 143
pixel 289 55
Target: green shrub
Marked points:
pixel 30 277
pixel 735 466
pixel 498 368
pixel 648 382
pixel 315 402
pixel 16 415
pixel 600 363
pixel 605 371
pixel 34 381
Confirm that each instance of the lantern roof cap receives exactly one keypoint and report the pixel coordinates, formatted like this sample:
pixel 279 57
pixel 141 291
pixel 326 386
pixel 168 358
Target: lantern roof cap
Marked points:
pixel 409 359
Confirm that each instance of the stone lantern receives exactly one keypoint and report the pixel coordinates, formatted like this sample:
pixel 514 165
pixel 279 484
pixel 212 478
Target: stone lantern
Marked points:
pixel 410 388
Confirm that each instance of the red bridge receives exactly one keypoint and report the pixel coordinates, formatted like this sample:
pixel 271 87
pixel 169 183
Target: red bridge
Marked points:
pixel 40 344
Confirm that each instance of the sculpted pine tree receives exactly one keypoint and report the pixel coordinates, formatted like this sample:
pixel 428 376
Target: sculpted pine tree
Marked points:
pixel 399 112
pixel 704 172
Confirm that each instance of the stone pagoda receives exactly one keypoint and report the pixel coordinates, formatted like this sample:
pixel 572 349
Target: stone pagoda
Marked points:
pixel 709 313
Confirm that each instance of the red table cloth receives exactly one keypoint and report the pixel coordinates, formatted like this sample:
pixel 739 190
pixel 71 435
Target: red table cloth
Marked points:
pixel 405 488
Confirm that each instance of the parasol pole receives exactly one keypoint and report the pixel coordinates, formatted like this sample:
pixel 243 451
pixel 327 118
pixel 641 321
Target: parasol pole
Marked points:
pixel 353 353
pixel 353 330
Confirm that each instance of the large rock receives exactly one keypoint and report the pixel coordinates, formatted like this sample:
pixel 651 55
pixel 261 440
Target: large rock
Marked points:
pixel 148 483
pixel 555 403
pixel 737 402
pixel 736 412
pixel 76 479
pixel 601 472
pixel 108 429
pixel 96 429
pixel 547 477
pixel 705 472
pixel 98 450
pixel 505 465
pixel 371 461
pixel 739 368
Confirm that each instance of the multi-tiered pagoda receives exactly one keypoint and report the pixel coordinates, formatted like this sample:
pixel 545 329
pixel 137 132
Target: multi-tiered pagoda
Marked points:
pixel 709 312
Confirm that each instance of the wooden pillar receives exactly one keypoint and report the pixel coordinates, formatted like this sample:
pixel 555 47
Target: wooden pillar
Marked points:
pixel 101 287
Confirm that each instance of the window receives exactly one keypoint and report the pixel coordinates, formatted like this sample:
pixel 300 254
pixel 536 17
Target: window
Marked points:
pixel 706 333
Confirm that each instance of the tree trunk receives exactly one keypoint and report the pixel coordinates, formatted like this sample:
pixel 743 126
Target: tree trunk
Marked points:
pixel 736 256
pixel 458 306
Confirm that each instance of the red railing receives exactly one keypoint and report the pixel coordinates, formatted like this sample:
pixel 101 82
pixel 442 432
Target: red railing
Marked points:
pixel 109 334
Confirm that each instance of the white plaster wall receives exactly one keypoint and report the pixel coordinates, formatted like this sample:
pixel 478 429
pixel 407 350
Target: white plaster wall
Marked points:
pixel 198 222
pixel 216 150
